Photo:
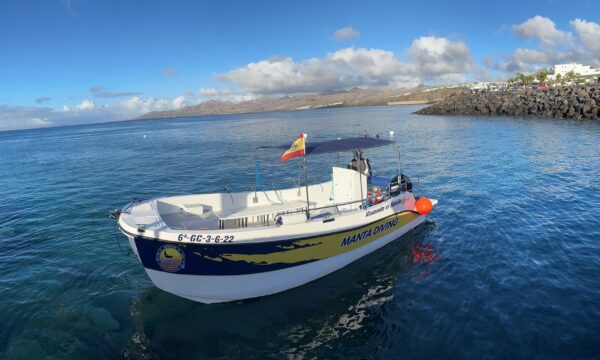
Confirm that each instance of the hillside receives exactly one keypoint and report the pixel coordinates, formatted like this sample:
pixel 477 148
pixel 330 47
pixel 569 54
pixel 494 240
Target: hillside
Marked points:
pixel 353 97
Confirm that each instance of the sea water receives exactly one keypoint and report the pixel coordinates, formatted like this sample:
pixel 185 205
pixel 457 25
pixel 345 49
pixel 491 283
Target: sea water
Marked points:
pixel 508 264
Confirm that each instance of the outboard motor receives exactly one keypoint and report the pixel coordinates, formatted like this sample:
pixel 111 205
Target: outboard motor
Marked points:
pixel 405 184
pixel 360 164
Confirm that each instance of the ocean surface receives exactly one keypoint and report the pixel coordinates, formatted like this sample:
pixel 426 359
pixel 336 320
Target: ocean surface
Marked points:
pixel 507 266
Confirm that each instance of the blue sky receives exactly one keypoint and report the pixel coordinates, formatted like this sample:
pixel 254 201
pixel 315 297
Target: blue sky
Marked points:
pixel 78 61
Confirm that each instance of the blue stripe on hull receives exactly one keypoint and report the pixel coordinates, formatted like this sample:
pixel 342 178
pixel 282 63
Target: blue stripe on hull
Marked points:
pixel 244 258
pixel 208 260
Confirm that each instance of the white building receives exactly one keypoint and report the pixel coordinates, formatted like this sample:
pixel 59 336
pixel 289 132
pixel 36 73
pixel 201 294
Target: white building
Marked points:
pixel 487 86
pixel 579 69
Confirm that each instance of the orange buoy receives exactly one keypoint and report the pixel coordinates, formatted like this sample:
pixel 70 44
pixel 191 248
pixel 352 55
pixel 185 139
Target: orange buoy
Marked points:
pixel 423 206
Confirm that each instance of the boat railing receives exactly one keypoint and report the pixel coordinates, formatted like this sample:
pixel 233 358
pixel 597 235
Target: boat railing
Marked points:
pixel 271 219
pixel 336 208
pixel 364 203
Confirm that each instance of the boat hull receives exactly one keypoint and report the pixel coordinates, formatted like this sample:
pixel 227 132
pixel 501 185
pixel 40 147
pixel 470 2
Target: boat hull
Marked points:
pixel 236 273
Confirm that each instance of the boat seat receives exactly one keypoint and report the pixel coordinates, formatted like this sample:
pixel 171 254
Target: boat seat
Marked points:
pixel 195 224
pixel 147 221
pixel 196 209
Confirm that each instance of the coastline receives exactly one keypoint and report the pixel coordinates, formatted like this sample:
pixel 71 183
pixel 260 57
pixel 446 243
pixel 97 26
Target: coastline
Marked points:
pixel 579 102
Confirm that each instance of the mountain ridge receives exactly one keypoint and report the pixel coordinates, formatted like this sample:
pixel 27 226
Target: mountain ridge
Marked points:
pixel 339 98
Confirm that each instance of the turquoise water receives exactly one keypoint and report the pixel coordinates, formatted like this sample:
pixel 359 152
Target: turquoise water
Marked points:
pixel 507 266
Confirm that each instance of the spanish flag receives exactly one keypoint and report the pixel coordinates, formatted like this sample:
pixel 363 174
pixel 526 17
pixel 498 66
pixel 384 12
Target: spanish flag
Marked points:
pixel 297 148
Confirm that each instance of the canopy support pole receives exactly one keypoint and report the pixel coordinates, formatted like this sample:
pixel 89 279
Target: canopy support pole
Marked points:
pixel 306 184
pixel 399 168
pixel 257 175
pixel 357 153
pixel 362 198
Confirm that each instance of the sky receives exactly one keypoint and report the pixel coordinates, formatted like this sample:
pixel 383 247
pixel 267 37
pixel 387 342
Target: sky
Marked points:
pixel 66 62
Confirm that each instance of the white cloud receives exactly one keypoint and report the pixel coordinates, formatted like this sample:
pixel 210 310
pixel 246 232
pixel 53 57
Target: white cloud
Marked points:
pixel 82 106
pixel 452 78
pixel 345 33
pixel 366 63
pixel 543 29
pixel 179 102
pixel 530 56
pixel 522 60
pixel 436 56
pixel 139 105
pixel 432 58
pixel 208 92
pixel 85 112
pixel 276 76
pixel 86 105
pixel 41 121
pixel 589 33
pixel 555 47
pixel 23 117
pixel 529 60
pixel 224 94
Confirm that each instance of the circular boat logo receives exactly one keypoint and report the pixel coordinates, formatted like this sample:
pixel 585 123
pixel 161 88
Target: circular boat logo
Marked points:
pixel 170 258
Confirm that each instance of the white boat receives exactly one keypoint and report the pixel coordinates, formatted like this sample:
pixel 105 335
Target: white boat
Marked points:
pixel 230 246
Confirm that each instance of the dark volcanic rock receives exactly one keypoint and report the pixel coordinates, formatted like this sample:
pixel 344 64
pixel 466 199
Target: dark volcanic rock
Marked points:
pixel 574 102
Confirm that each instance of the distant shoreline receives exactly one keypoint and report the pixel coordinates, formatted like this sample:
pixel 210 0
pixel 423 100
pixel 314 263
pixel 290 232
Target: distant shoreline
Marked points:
pixel 173 117
pixel 273 111
pixel 351 98
pixel 355 97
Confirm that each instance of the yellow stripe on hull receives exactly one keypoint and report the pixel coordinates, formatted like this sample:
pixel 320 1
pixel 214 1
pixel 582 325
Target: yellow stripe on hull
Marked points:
pixel 327 246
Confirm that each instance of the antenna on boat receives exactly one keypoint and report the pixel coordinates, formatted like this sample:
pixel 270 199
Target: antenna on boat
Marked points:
pixel 256 175
pixel 360 174
pixel 226 189
pixel 398 150
pixel 397 146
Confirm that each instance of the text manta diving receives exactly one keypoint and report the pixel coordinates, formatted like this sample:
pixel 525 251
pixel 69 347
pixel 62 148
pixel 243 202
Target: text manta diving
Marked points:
pixel 349 240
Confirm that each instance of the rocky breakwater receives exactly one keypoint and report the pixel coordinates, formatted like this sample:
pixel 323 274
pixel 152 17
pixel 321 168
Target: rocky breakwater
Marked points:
pixel 573 102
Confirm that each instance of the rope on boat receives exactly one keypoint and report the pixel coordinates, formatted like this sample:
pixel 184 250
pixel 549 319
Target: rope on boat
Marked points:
pixel 114 215
pixel 119 244
pixel 331 195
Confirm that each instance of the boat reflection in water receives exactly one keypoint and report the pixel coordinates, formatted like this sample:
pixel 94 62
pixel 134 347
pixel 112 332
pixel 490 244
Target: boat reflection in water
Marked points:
pixel 424 255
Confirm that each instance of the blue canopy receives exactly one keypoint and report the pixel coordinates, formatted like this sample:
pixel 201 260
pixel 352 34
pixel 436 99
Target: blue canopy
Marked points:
pixel 341 145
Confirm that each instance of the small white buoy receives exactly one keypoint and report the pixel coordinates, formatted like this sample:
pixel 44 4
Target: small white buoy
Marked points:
pixel 391 133
pixel 144 136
